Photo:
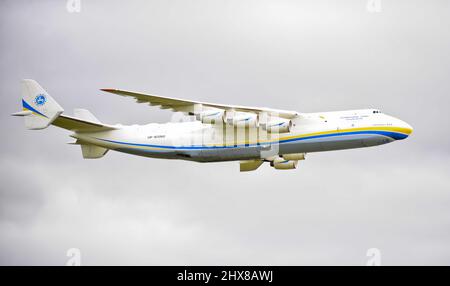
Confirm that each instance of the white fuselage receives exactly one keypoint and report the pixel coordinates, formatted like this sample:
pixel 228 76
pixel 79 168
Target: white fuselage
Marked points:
pixel 311 132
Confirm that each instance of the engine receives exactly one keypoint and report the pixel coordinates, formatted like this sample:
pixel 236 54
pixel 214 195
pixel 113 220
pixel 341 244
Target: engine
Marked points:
pixel 210 116
pixel 295 156
pixel 241 119
pixel 277 125
pixel 245 119
pixel 282 164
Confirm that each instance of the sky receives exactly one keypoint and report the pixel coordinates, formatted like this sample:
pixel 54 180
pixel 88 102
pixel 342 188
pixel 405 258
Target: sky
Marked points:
pixel 308 56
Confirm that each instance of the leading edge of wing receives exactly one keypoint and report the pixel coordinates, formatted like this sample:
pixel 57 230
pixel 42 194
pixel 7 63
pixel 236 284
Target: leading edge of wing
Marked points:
pixel 182 104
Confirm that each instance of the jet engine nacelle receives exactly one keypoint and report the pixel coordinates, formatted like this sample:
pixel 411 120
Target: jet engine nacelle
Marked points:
pixel 295 156
pixel 282 164
pixel 241 119
pixel 277 125
pixel 210 116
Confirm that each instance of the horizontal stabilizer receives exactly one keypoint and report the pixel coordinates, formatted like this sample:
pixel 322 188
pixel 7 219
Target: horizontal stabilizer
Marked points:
pixel 22 113
pixel 85 114
pixel 80 125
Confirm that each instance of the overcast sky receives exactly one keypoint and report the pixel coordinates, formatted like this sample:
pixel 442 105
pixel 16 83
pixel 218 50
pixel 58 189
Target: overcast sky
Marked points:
pixel 298 55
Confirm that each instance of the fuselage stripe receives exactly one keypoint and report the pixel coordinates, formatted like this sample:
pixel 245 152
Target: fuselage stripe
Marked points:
pixel 390 134
pixel 26 106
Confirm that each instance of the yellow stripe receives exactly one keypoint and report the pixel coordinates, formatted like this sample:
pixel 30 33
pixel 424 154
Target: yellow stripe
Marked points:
pixel 406 131
pixel 402 130
pixel 376 128
pixel 26 109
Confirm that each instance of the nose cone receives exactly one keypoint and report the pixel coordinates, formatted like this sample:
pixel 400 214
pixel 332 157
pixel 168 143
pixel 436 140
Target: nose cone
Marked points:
pixel 405 128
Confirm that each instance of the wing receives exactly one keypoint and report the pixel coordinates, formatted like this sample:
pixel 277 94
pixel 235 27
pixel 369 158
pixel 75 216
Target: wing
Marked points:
pixel 189 106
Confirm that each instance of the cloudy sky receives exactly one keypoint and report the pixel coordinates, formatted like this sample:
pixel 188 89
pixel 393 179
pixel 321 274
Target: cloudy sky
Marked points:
pixel 298 55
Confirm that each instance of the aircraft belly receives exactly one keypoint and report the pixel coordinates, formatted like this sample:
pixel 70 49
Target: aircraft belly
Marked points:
pixel 200 155
pixel 334 143
pixel 148 153
pixel 229 154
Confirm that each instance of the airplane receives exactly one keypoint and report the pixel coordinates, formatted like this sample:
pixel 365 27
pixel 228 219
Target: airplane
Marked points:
pixel 215 132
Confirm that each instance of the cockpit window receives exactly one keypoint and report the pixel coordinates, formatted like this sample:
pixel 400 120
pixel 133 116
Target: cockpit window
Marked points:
pixel 376 111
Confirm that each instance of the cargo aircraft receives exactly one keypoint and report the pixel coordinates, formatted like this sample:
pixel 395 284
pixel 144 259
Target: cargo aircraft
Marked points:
pixel 216 132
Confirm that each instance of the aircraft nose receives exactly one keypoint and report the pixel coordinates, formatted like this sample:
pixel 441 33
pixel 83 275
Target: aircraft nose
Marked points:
pixel 405 128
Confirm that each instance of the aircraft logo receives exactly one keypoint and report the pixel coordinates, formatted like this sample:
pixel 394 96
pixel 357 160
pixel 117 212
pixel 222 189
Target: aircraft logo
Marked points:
pixel 40 99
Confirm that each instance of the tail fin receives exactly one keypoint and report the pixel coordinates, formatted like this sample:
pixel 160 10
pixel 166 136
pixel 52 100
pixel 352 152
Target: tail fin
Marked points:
pixel 39 108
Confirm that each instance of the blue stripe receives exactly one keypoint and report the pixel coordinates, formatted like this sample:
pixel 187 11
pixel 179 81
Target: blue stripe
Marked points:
pixel 393 135
pixel 29 107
